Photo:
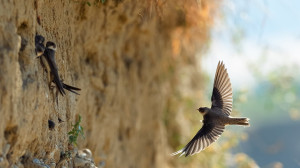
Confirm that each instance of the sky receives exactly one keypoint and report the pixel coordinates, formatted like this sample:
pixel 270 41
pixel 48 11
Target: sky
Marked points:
pixel 263 33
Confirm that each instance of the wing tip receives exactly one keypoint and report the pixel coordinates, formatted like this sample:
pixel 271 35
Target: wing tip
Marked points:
pixel 178 152
pixel 220 62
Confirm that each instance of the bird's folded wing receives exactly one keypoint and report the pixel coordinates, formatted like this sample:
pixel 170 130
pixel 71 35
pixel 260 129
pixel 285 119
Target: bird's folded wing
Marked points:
pixel 54 70
pixel 208 134
pixel 222 91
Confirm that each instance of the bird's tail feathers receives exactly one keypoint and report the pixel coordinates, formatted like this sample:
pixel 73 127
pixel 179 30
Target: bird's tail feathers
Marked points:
pixel 71 88
pixel 59 86
pixel 240 121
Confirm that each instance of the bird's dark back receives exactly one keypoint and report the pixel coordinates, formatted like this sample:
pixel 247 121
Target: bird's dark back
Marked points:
pixel 50 55
pixel 215 115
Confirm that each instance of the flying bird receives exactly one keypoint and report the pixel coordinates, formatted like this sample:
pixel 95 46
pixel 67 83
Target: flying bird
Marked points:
pixel 215 118
pixel 47 56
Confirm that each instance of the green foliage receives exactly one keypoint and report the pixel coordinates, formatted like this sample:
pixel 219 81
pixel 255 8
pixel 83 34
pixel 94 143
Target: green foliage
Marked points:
pixel 75 132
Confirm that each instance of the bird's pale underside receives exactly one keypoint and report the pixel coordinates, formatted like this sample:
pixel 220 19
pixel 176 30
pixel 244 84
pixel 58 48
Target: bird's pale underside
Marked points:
pixel 216 117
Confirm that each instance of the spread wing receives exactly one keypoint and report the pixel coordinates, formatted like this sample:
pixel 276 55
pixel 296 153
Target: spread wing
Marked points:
pixel 222 92
pixel 208 134
pixel 51 61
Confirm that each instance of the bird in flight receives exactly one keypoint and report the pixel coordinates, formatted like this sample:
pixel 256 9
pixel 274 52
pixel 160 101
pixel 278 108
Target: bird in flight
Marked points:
pixel 215 118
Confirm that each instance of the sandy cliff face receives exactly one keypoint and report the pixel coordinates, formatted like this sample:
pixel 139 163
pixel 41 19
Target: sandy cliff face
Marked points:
pixel 122 54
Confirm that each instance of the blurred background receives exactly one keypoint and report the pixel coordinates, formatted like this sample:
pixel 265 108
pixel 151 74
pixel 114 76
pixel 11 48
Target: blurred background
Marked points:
pixel 259 44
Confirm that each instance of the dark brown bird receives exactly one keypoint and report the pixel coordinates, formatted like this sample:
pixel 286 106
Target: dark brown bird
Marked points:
pixel 215 118
pixel 47 57
pixel 39 45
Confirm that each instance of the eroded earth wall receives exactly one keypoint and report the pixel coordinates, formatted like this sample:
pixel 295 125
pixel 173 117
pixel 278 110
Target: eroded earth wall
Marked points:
pixel 122 54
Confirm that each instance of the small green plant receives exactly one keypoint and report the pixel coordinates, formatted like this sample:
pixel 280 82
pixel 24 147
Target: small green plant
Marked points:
pixel 75 132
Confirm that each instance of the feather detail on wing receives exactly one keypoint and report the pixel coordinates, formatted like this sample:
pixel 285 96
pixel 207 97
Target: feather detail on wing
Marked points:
pixel 222 91
pixel 208 134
